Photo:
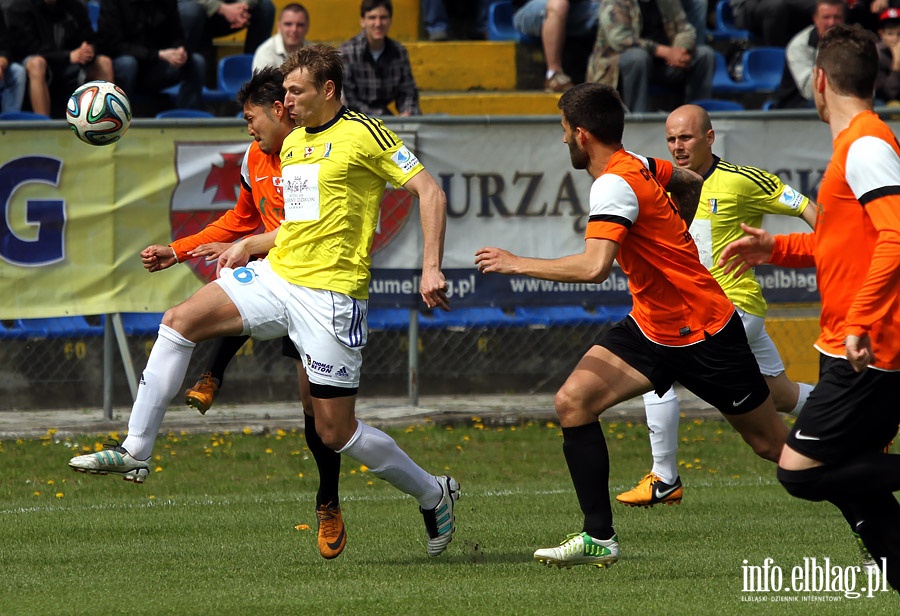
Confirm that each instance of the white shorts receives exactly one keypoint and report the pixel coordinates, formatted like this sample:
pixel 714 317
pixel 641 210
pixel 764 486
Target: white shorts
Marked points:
pixel 328 328
pixel 763 348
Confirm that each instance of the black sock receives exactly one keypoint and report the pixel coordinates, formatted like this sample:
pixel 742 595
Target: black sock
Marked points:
pixel 224 350
pixel 588 461
pixel 875 472
pixel 328 461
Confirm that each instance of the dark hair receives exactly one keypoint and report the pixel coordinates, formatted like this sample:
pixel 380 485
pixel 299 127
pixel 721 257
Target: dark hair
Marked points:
pixel 295 7
pixel 839 3
pixel 371 5
pixel 322 62
pixel 264 88
pixel 596 108
pixel 848 57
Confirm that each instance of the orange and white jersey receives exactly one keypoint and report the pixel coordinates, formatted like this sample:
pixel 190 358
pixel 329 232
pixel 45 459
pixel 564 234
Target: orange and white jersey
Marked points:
pixel 856 243
pixel 261 202
pixel 676 300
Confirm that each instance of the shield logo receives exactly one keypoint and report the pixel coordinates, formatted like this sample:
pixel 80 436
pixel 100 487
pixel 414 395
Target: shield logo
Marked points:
pixel 209 182
pixel 396 206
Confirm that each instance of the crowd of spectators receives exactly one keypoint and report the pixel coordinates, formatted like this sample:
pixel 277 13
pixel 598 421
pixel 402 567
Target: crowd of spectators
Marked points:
pixel 643 47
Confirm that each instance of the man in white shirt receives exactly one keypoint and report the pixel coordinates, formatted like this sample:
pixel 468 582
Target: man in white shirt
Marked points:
pixel 293 25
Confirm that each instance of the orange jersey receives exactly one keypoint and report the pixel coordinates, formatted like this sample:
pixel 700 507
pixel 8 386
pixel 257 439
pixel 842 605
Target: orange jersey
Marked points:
pixel 676 300
pixel 260 202
pixel 856 243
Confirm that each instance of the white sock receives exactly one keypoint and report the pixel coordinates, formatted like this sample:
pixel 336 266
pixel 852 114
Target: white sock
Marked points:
pixel 662 423
pixel 805 390
pixel 160 381
pixel 549 74
pixel 387 461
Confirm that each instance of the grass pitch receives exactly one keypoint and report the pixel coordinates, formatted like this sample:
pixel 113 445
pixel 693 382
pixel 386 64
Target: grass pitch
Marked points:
pixel 225 525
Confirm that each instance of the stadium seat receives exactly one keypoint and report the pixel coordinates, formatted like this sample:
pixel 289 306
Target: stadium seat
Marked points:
pixel 57 327
pixel 234 71
pixel 768 105
pixel 763 68
pixel 718 104
pixel 722 81
pixel 725 29
pixel 462 319
pixel 183 113
pixel 93 8
pixel 500 26
pixel 141 323
pixel 388 319
pixel 22 115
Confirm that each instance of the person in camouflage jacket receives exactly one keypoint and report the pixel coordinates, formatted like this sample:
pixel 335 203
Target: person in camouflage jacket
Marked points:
pixel 649 41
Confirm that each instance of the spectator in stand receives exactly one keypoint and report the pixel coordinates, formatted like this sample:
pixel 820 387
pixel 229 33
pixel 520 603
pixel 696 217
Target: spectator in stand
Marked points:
pixel 204 20
pixel 54 41
pixel 437 23
pixel 887 83
pixel 796 90
pixel 145 41
pixel 293 25
pixel 774 22
pixel 12 75
pixel 640 42
pixel 376 68
pixel 553 21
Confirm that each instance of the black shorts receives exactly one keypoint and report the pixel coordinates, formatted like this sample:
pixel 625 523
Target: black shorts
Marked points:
pixel 288 349
pixel 720 369
pixel 848 413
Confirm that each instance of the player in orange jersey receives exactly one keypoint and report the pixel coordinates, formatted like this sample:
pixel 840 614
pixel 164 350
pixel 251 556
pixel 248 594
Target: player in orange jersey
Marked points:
pixel 835 450
pixel 260 202
pixel 681 328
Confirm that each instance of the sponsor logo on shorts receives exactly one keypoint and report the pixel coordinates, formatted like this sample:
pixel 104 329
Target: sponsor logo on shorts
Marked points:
pixel 318 366
pixel 243 275
pixel 342 372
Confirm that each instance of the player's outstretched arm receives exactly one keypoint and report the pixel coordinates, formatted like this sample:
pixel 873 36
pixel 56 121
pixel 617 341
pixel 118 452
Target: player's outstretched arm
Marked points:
pixel 754 249
pixel 593 265
pixel 158 257
pixel 239 253
pixel 433 212
pixel 685 186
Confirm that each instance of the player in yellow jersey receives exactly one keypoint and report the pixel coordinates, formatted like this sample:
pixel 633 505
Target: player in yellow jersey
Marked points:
pixel 731 194
pixel 313 286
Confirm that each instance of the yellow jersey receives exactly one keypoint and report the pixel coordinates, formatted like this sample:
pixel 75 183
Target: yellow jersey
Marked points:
pixel 733 194
pixel 333 180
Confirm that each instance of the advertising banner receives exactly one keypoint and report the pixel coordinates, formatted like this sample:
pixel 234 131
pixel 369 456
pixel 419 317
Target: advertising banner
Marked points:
pixel 76 217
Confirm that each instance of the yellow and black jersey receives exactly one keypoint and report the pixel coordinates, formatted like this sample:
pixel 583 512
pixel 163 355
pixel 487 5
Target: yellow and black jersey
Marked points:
pixel 733 194
pixel 334 178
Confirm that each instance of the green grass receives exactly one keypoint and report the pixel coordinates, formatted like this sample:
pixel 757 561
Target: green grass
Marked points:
pixel 218 529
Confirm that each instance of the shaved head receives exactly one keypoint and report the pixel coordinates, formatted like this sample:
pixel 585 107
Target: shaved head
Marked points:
pixel 690 137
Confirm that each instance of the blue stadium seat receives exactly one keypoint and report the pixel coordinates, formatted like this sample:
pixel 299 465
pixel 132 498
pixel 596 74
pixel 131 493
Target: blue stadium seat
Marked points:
pixel 500 25
pixel 725 29
pixel 388 319
pixel 233 72
pixel 13 329
pixel 183 113
pixel 722 81
pixel 141 323
pixel 93 9
pixel 763 68
pixel 468 318
pixel 22 115
pixel 56 327
pixel 718 104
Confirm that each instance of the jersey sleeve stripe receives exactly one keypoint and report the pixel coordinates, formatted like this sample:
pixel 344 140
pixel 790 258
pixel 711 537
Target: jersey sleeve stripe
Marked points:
pixel 620 220
pixel 382 138
pixel 651 165
pixel 877 193
pixel 757 176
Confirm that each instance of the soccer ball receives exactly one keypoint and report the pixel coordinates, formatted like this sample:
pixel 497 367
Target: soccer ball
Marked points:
pixel 99 112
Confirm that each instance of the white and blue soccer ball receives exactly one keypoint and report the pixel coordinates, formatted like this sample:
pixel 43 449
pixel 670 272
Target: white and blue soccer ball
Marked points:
pixel 99 112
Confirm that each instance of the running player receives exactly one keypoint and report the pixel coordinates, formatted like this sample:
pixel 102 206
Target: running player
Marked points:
pixel 682 327
pixel 313 286
pixel 835 449
pixel 731 194
pixel 261 202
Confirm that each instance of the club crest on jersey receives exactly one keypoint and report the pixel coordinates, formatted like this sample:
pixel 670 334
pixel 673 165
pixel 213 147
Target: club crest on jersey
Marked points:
pixel 405 159
pixel 327 150
pixel 307 152
pixel 713 206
